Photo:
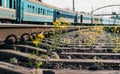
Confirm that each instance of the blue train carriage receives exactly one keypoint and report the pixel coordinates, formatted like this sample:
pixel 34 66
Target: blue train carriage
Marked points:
pixel 97 20
pixel 106 21
pixel 111 21
pixel 114 22
pixel 85 18
pixel 67 15
pixel 117 22
pixel 32 11
pixel 7 11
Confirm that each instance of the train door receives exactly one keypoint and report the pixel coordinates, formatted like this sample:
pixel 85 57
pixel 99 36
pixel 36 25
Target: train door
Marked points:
pixel 22 11
pixel 81 18
pixel 54 15
pixel 19 11
pixel 58 15
pixel 75 18
pixel 14 3
pixel 10 5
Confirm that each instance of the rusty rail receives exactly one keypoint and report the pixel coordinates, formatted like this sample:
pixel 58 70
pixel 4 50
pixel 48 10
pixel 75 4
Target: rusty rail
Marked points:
pixel 17 30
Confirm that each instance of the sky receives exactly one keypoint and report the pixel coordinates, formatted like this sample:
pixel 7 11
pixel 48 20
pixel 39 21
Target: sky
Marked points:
pixel 86 5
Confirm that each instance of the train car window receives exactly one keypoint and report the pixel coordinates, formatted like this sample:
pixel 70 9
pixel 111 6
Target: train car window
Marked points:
pixel 28 7
pixel 48 12
pixel 51 13
pixel 14 5
pixel 58 13
pixel 68 16
pixel 43 11
pixel 0 2
pixel 38 10
pixel 62 15
pixel 65 16
pixel 33 9
pixel 96 19
pixel 10 4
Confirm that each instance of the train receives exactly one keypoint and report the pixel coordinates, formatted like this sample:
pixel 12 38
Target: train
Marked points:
pixel 32 11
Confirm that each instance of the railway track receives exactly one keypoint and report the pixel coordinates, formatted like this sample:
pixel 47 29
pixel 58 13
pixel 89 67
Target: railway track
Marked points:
pixel 76 56
pixel 17 32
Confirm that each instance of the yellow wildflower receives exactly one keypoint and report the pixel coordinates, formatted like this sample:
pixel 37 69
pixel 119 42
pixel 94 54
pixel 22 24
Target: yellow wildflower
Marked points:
pixel 41 36
pixel 39 63
pixel 57 23
pixel 31 37
pixel 52 29
pixel 36 42
pixel 63 26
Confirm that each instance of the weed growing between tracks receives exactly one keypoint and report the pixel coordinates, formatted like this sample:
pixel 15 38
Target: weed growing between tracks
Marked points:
pixel 57 30
pixel 36 42
pixel 93 35
pixel 114 31
pixel 90 37
pixel 59 26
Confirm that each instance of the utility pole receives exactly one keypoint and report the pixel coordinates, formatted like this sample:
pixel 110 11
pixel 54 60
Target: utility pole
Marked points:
pixel 73 5
pixel 92 16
